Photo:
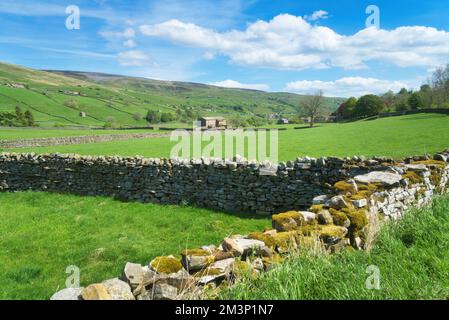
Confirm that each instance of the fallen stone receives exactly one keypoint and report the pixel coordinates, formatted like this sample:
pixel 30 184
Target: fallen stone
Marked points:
pixel 96 292
pixel 180 280
pixel 118 289
pixel 164 292
pixel 231 245
pixel 196 259
pixel 222 255
pixel 133 274
pixel 250 245
pixel 159 292
pixel 225 266
pixel 68 294
pixel 242 246
pixel 385 178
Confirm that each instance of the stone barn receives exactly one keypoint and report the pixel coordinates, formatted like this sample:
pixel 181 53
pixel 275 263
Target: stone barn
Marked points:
pixel 213 122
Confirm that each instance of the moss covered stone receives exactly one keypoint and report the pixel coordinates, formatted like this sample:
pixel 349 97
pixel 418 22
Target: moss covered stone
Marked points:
pixel 435 178
pixel 242 268
pixel 266 238
pixel 286 241
pixel 195 252
pixel 288 221
pixel 166 265
pixel 345 187
pixel 358 220
pixel 317 208
pixel 332 234
pixel 208 272
pixel 339 218
pixel 437 163
pixel 270 262
pixel 413 177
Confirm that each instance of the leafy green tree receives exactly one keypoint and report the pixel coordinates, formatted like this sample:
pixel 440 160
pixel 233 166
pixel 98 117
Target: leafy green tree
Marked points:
pixel 415 101
pixel 153 116
pixel 369 105
pixel 167 117
pixel 29 119
pixel 426 94
pixel 389 100
pixel 20 117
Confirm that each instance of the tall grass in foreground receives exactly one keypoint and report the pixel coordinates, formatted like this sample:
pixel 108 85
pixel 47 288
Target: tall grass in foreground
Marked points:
pixel 412 255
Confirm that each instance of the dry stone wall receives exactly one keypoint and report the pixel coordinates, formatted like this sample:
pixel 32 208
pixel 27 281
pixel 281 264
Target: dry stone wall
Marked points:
pixel 237 186
pixel 346 199
pixel 56 141
pixel 346 217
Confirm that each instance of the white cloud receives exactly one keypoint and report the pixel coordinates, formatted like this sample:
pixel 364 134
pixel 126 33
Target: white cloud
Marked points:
pixel 348 86
pixel 317 15
pixel 290 42
pixel 130 43
pixel 209 55
pixel 128 33
pixel 238 85
pixel 133 58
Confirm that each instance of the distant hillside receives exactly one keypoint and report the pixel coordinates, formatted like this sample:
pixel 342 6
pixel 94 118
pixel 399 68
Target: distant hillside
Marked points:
pixel 58 97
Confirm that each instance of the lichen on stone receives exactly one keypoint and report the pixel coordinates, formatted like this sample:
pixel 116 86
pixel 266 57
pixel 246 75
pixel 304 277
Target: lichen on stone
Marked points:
pixel 339 218
pixel 195 252
pixel 413 177
pixel 288 221
pixel 267 239
pixel 345 187
pixel 166 265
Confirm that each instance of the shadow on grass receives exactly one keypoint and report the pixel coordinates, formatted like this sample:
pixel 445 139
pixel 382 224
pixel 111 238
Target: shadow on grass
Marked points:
pixel 241 215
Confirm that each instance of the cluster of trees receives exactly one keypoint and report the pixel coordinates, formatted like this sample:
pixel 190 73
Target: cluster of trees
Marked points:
pixel 435 94
pixel 181 115
pixel 18 118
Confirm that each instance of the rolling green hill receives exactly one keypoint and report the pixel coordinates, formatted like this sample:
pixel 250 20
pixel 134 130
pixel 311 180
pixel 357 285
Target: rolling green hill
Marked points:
pixel 58 98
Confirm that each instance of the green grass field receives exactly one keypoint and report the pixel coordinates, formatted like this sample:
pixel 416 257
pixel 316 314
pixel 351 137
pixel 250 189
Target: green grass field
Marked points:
pixel 41 234
pixel 411 255
pixel 29 133
pixel 394 137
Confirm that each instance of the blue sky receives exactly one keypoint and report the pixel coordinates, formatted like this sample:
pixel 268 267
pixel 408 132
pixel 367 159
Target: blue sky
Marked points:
pixel 282 45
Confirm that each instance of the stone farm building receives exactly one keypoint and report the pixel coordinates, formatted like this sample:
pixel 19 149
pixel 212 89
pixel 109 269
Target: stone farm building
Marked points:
pixel 213 122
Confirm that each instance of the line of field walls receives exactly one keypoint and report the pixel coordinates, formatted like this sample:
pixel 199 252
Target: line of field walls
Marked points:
pixel 231 186
pixel 57 141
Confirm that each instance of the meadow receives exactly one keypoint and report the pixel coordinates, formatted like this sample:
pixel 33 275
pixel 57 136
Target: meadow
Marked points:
pixel 411 255
pixel 394 137
pixel 41 234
